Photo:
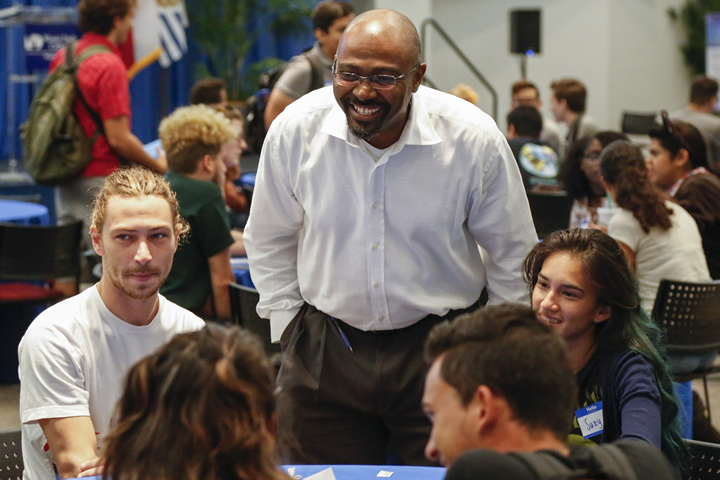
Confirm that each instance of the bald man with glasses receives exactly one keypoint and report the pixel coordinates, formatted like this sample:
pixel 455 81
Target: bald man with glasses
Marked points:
pixel 373 201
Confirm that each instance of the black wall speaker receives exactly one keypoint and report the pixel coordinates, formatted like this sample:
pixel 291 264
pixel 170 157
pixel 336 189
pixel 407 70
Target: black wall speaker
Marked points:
pixel 524 31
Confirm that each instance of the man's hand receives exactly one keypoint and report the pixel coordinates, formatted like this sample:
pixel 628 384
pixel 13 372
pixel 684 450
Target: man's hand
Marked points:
pixel 72 443
pixel 92 468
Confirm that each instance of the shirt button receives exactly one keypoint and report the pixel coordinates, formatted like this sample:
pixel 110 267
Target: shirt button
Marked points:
pixel 375 284
pixel 374 246
pixel 374 205
pixel 381 317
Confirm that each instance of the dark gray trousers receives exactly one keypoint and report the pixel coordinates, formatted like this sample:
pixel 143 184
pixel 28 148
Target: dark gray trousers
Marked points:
pixel 337 406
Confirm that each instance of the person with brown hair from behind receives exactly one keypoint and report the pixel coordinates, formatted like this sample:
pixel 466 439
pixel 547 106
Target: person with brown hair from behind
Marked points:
pixel 200 408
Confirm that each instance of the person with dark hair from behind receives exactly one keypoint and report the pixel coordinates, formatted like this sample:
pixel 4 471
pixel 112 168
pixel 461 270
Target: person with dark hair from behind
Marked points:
pixel 580 174
pixel 526 94
pixel 582 286
pixel 538 162
pixel 660 238
pixel 699 112
pixel 312 70
pixel 677 163
pixel 202 407
pixel 500 393
pixel 211 92
pixel 568 103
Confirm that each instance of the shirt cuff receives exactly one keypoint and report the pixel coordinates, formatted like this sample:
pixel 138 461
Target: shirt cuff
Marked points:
pixel 279 320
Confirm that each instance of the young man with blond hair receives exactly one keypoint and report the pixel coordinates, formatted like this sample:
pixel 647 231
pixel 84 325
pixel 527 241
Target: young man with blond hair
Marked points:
pixel 193 138
pixel 75 354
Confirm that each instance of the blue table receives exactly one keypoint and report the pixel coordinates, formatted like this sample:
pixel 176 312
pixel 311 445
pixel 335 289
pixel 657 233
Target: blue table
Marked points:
pixel 248 179
pixel 364 472
pixel 370 472
pixel 23 213
pixel 241 269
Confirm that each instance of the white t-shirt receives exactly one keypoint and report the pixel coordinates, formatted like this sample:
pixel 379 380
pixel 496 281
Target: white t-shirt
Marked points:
pixel 675 254
pixel 73 359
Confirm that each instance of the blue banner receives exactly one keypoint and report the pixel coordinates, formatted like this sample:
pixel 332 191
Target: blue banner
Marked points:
pixel 42 41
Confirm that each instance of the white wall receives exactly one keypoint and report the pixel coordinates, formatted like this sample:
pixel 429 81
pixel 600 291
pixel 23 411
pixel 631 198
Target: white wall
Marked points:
pixel 625 51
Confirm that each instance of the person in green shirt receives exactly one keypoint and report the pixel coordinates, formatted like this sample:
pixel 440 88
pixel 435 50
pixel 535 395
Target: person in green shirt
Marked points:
pixel 192 138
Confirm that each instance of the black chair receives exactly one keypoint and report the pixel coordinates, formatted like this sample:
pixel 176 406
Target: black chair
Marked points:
pixel 37 253
pixel 11 461
pixel 705 464
pixel 638 123
pixel 689 316
pixel 550 211
pixel 243 301
pixel 30 198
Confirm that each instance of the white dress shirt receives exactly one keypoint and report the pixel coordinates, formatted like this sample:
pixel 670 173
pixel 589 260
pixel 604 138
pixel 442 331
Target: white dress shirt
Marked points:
pixel 380 245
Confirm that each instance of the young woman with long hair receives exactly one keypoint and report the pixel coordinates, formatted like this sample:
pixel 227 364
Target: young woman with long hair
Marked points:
pixel 582 286
pixel 660 238
pixel 201 408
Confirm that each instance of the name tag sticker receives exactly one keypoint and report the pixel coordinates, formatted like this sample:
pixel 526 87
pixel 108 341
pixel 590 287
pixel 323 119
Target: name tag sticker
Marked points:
pixel 590 419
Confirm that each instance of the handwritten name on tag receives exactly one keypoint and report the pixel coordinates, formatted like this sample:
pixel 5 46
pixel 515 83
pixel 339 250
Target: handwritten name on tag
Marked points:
pixel 590 419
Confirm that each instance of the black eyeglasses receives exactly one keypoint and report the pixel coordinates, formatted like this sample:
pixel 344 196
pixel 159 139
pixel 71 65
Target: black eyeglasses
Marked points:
pixel 380 82
pixel 672 131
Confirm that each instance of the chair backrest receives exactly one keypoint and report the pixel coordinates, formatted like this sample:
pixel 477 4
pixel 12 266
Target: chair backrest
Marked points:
pixel 34 252
pixel 689 315
pixel 243 303
pixel 550 211
pixel 31 198
pixel 638 123
pixel 705 464
pixel 11 461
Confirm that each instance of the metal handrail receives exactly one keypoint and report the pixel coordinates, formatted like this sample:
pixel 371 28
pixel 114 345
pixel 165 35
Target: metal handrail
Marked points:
pixel 463 57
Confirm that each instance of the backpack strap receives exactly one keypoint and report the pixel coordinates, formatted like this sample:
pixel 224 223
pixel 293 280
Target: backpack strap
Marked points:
pixel 316 71
pixel 72 62
pixel 609 463
pixel 616 462
pixel 545 465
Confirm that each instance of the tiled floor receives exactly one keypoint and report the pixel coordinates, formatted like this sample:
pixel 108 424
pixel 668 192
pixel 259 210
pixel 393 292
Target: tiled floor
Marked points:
pixel 10 418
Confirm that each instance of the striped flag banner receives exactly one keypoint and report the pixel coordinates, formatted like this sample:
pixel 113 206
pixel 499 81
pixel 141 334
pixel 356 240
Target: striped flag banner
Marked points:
pixel 158 34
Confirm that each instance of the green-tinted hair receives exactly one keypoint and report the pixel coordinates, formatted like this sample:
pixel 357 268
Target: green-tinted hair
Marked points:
pixel 629 325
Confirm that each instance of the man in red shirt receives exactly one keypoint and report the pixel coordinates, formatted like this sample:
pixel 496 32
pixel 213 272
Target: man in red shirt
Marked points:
pixel 104 83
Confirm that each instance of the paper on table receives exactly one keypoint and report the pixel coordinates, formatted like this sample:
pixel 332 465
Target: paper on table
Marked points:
pixel 326 474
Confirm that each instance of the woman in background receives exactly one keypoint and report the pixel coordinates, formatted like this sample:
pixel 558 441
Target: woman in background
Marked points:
pixel 677 163
pixel 581 177
pixel 660 239
pixel 201 408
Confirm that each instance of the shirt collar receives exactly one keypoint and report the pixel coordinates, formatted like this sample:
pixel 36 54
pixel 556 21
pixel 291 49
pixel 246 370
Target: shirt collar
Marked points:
pixel 419 129
pixel 95 38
